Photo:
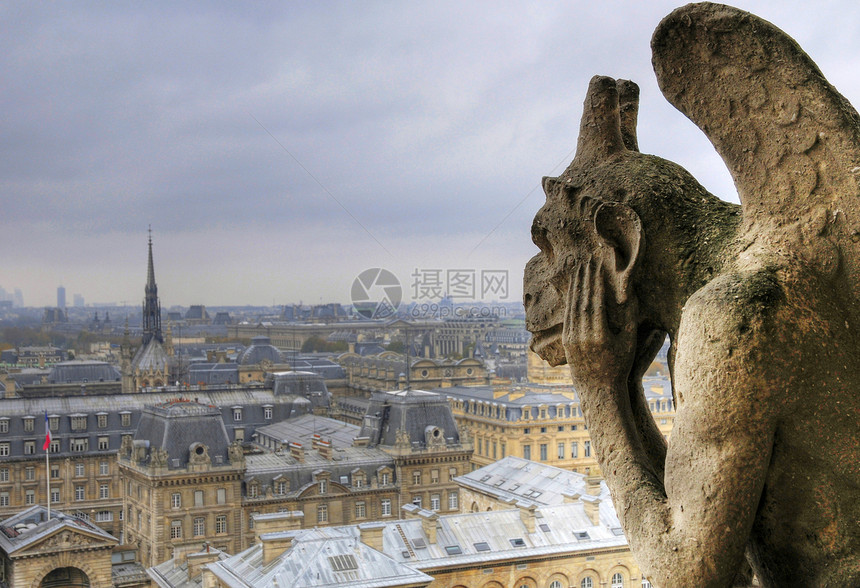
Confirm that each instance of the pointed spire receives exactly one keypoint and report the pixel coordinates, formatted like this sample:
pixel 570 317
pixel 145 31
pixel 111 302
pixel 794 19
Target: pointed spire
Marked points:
pixel 151 305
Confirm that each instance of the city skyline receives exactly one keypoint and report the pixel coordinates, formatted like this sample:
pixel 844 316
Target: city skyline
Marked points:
pixel 279 151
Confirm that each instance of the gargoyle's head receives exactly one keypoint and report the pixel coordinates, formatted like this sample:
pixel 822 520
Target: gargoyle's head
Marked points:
pixel 584 215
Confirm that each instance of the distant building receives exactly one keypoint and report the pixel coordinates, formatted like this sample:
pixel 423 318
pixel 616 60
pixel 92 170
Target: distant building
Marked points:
pixel 540 422
pixel 387 371
pixel 574 542
pixel 78 300
pixel 61 297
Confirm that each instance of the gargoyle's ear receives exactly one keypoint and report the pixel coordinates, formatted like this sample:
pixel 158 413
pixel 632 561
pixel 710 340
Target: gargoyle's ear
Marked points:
pixel 619 226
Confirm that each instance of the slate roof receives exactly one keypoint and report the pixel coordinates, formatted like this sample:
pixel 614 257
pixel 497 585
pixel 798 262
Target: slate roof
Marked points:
pixel 29 526
pixel 307 384
pixel 412 411
pixel 151 357
pixel 176 425
pixel 261 349
pixel 83 371
pixel 169 575
pixel 318 557
pixel 515 479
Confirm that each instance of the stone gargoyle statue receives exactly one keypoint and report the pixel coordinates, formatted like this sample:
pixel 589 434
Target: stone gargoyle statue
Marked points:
pixel 759 301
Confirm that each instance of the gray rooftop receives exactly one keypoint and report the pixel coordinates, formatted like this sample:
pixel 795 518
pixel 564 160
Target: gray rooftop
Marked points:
pixel 32 525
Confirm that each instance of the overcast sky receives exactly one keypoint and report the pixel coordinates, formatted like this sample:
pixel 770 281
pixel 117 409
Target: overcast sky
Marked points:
pixel 280 149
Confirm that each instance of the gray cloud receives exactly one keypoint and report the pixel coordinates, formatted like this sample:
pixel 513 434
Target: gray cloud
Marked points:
pixel 429 122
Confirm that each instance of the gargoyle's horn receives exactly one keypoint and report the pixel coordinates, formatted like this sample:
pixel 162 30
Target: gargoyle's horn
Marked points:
pixel 628 101
pixel 600 128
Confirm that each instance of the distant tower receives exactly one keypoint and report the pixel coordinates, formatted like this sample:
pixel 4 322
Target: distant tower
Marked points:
pixel 151 304
pixel 61 297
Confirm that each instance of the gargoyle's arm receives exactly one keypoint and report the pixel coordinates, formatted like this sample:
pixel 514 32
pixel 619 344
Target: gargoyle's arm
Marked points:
pixel 689 528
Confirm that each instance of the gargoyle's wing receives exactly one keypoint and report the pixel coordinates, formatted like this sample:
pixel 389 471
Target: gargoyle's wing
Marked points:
pixel 790 140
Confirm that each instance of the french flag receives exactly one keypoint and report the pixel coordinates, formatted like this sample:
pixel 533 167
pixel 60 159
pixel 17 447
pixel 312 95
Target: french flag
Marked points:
pixel 47 434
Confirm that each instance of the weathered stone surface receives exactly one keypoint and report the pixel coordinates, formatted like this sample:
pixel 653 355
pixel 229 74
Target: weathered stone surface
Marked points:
pixel 760 302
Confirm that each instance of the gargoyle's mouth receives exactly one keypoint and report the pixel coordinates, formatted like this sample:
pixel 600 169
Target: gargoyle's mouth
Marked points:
pixel 545 338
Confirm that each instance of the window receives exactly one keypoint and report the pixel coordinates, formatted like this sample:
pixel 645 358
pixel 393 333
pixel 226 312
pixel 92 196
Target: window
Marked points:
pixel 281 488
pixel 221 495
pixel 502 449
pixel 103 443
pixel 199 527
pixel 386 507
pixel 79 423
pixel 452 473
pixel 253 490
pixel 267 413
pixel 416 500
pixel 323 486
pixel 80 444
pixel 239 434
pixel 53 423
pixel 480 446
pixel 435 502
pixel 30 497
pixel 4 425
pixel 586 450
pixel 434 476
pixel 527 451
pixel 29 473
pixel 561 450
pixel 55 495
pixel 29 447
pixel 55 446
pixel 237 414
pixel 79 470
pixel 453 501
pixel 526 431
pixel 176 500
pixel 555 584
pixel 360 510
pixel 416 478
pixel 587 582
pixel 543 452
pixel 4 474
pixel 176 529
pixel 617 580
pixel 101 420
pixel 30 425
pixel 574 449
pixel 55 472
pixel 221 524
pixel 358 480
pixel 646 583
pixel 4 449
pixel 322 513
pixel 4 499
pixel 198 498
pixel 384 479
pixel 104 491
pixel 542 429
pixel 80 492
pixel 104 516
pixel 125 419
pixel 104 468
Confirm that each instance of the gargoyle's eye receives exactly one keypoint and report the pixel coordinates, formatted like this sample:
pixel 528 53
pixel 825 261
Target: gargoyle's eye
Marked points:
pixel 541 238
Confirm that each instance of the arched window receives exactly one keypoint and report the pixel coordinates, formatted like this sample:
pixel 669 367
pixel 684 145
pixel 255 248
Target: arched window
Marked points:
pixel 587 582
pixel 617 580
pixel 555 584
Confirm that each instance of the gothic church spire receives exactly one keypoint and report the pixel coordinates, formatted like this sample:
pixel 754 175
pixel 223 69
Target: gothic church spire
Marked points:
pixel 151 304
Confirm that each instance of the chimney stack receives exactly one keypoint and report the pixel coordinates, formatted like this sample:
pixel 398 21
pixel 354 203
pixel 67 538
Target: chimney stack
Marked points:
pixel 527 516
pixel 297 452
pixel 371 534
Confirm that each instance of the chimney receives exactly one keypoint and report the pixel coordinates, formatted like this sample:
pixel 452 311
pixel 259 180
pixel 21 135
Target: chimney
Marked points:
pixel 8 385
pixel 315 439
pixel 324 448
pixel 180 554
pixel 197 560
pixel 276 522
pixel 210 356
pixel 371 534
pixel 527 516
pixel 275 544
pixel 429 521
pixel 591 505
pixel 297 452
pixel 592 485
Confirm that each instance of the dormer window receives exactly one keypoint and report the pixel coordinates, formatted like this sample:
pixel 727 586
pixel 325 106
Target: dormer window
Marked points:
pixel 79 423
pixel 30 424
pixel 323 486
pixel 237 413
pixel 253 490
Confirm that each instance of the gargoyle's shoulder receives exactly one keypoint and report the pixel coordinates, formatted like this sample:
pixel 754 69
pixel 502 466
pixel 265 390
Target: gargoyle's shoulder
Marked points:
pixel 740 305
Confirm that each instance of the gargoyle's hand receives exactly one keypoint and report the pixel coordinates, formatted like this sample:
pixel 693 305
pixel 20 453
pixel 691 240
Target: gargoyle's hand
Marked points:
pixel 600 352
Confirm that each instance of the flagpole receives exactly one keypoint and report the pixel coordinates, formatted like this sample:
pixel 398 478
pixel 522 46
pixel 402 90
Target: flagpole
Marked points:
pixel 47 448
